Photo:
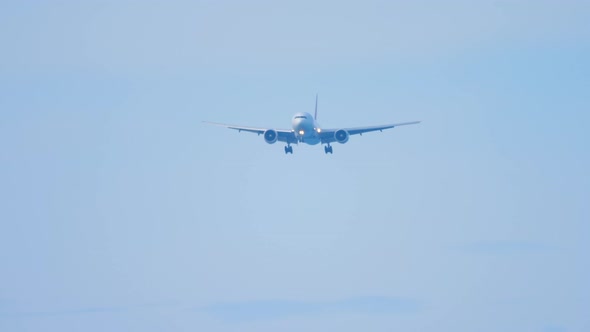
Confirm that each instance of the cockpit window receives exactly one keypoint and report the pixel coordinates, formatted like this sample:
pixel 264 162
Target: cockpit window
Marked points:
pixel 301 117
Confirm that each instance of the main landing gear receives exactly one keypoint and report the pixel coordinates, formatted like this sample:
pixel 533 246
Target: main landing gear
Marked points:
pixel 288 149
pixel 328 149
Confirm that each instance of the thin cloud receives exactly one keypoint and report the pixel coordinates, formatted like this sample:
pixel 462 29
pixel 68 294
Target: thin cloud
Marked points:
pixel 89 310
pixel 276 309
pixel 503 247
pixel 554 328
pixel 86 310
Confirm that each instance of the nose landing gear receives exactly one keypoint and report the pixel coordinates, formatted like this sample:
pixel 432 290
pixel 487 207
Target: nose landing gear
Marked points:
pixel 328 149
pixel 288 149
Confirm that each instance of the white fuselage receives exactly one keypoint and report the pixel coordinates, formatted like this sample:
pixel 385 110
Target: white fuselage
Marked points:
pixel 306 129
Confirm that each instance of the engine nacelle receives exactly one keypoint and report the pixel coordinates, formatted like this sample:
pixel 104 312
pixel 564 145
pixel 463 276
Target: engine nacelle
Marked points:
pixel 341 136
pixel 271 136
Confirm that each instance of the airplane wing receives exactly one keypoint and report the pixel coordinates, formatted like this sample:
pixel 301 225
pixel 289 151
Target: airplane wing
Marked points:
pixel 327 135
pixel 284 135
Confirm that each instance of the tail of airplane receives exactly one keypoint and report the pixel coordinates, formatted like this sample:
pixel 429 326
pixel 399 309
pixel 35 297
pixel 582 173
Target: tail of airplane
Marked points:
pixel 315 116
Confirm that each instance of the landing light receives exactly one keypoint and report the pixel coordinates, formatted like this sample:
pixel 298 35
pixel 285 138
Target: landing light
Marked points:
pixel 301 132
pixel 318 130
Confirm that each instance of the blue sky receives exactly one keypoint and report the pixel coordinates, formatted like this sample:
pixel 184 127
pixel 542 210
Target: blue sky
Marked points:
pixel 121 211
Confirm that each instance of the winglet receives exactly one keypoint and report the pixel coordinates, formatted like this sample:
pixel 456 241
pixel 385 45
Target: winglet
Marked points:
pixel 315 116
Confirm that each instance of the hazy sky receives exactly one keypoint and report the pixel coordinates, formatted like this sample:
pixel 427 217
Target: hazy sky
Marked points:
pixel 121 211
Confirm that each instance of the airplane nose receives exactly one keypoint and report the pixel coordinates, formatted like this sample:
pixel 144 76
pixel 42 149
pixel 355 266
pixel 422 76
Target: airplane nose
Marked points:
pixel 297 123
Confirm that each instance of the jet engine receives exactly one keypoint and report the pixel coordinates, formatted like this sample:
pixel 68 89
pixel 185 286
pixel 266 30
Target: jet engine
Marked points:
pixel 271 136
pixel 341 136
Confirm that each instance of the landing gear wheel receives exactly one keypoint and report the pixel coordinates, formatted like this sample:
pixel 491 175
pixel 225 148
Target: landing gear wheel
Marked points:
pixel 328 149
pixel 288 149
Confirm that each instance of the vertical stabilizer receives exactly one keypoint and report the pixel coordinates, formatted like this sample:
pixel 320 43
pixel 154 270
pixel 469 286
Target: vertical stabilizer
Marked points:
pixel 315 116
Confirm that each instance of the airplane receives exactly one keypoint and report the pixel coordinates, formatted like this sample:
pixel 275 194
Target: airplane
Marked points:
pixel 306 129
